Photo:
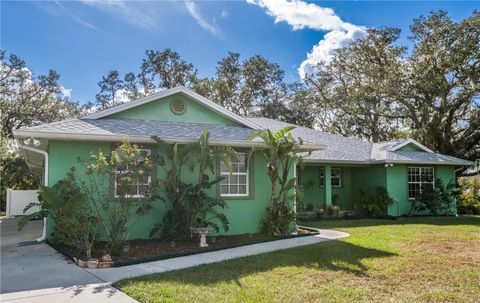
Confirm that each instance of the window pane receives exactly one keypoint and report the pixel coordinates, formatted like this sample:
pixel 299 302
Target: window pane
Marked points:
pixel 142 189
pixel 233 189
pixel 235 182
pixel 321 180
pixel 242 168
pixel 223 167
pixel 242 189
pixel 225 180
pixel 224 189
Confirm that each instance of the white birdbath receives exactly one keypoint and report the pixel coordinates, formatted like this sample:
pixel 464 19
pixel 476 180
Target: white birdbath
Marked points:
pixel 202 232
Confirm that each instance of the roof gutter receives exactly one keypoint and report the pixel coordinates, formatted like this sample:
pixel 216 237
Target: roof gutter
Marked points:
pixel 144 139
pixel 45 182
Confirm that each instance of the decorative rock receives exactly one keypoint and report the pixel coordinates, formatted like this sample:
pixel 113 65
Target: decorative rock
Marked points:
pixel 302 232
pixel 106 258
pixel 92 263
pixel 81 263
pixel 105 264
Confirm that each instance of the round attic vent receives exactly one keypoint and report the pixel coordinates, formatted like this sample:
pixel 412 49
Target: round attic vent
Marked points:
pixel 178 107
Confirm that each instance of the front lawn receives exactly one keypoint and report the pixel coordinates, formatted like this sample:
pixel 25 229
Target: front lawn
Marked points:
pixel 404 260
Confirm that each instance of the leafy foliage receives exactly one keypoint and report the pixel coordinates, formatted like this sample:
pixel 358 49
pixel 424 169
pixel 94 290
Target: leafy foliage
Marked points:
pixel 64 202
pixel 281 152
pixel 437 199
pixel 15 174
pixel 373 88
pixel 375 201
pixel 191 205
pixel 468 202
pixel 118 212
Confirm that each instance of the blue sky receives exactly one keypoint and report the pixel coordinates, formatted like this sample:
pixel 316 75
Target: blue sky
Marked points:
pixel 84 40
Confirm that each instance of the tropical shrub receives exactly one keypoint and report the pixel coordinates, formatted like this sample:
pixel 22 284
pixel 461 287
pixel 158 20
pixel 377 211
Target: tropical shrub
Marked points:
pixel 436 199
pixel 64 202
pixel 191 206
pixel 333 210
pixel 117 211
pixel 281 152
pixel 374 201
pixel 468 202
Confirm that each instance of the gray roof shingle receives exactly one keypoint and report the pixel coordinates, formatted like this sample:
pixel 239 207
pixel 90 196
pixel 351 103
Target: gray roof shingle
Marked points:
pixel 344 149
pixel 130 127
pixel 338 148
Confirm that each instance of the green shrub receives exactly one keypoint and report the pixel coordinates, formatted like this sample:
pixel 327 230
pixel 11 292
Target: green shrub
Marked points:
pixel 437 199
pixel 65 203
pixel 468 201
pixel 333 210
pixel 375 201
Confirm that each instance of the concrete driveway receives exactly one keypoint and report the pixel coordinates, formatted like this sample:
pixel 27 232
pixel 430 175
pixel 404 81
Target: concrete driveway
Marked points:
pixel 35 272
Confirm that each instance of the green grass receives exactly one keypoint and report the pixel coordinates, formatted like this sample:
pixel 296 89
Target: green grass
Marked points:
pixel 404 260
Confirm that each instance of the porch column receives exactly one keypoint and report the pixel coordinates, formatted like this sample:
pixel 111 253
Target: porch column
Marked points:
pixel 328 185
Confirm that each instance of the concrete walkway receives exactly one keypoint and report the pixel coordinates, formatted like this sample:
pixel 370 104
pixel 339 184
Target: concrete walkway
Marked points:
pixel 32 272
pixel 111 275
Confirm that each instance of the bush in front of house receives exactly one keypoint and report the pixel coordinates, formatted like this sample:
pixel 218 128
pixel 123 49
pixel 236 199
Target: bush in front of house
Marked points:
pixel 374 201
pixel 436 199
pixel 191 206
pixel 121 210
pixel 281 152
pixel 66 204
pixel 468 202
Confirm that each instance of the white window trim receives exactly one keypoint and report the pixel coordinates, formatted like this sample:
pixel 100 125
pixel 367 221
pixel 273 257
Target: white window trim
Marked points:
pixel 333 186
pixel 247 180
pixel 127 171
pixel 339 177
pixel 419 182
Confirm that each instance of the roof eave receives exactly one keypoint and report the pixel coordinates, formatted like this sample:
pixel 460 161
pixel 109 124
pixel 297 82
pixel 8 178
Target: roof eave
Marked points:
pixel 372 161
pixel 147 139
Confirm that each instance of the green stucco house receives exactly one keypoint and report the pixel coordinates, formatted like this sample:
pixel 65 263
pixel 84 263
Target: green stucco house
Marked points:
pixel 335 171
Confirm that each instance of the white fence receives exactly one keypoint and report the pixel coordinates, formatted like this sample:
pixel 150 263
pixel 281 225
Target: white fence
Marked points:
pixel 18 199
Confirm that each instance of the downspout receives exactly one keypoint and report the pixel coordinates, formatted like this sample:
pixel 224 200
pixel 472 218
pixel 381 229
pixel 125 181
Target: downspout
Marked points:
pixel 45 183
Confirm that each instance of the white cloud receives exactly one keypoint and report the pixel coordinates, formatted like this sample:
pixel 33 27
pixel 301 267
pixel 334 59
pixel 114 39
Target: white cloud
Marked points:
pixel 66 92
pixel 75 18
pixel 224 13
pixel 300 15
pixel 195 13
pixel 127 12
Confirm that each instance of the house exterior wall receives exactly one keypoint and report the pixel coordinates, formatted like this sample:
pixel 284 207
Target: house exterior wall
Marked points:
pixel 397 185
pixel 244 213
pixel 316 194
pixel 160 111
pixel 356 178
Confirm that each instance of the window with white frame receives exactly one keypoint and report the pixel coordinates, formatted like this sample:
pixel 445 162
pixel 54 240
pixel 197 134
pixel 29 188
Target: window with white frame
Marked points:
pixel 418 177
pixel 235 183
pixel 335 179
pixel 123 171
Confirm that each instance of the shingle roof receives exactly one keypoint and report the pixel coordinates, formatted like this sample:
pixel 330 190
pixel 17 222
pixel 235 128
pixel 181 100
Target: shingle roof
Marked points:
pixel 338 149
pixel 343 149
pixel 146 128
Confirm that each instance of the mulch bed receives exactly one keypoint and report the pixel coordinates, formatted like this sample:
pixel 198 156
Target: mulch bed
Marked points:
pixel 156 249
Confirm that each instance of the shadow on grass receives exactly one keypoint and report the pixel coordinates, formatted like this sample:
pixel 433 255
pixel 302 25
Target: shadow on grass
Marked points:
pixel 333 255
pixel 440 221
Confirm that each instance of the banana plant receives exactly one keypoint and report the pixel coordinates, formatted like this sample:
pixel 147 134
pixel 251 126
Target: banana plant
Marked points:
pixel 281 150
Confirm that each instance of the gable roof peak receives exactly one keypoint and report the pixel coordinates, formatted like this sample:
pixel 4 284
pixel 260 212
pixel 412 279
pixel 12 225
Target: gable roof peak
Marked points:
pixel 171 91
